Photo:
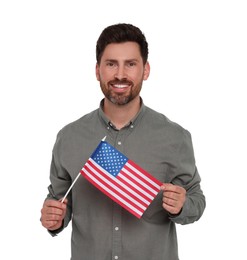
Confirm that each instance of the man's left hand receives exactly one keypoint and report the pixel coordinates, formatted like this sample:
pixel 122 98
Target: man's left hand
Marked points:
pixel 173 198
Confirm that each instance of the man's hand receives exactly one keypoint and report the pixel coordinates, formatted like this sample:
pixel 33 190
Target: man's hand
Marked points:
pixel 53 213
pixel 173 198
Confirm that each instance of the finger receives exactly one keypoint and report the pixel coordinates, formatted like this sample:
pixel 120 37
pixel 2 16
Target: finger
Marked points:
pixel 54 211
pixel 49 224
pixel 173 199
pixel 53 215
pixel 171 209
pixel 55 203
pixel 51 221
pixel 171 202
pixel 49 210
pixel 54 207
pixel 172 187
pixel 171 195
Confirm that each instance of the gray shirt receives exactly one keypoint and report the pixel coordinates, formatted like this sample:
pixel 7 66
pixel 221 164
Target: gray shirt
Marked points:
pixel 103 230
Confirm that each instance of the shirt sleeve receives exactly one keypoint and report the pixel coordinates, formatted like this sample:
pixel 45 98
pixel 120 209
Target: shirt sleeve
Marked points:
pixel 184 173
pixel 60 181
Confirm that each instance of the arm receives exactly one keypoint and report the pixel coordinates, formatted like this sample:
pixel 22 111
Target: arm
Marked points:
pixel 183 197
pixel 56 215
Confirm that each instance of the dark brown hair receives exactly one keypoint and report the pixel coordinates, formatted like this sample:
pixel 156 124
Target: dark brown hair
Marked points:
pixel 119 33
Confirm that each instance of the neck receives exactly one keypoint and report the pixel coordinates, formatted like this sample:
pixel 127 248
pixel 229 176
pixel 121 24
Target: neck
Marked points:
pixel 121 115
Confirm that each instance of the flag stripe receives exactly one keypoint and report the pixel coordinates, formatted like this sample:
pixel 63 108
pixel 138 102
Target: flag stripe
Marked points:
pixel 132 175
pixel 109 189
pixel 135 188
pixel 148 177
pixel 113 195
pixel 113 185
pixel 121 179
pixel 131 182
pixel 118 181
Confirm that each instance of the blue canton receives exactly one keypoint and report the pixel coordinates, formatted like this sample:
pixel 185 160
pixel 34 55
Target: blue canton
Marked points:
pixel 109 158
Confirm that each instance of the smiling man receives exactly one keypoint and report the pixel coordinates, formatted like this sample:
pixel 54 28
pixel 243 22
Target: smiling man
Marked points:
pixel 101 228
pixel 121 72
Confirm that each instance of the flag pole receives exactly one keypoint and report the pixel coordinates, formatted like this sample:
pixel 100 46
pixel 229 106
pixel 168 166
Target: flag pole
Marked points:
pixel 70 187
pixel 66 194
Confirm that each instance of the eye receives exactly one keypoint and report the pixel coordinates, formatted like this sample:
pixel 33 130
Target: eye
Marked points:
pixel 132 64
pixel 110 64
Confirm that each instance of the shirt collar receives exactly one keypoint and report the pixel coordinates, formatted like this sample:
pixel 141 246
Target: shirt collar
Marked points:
pixel 132 122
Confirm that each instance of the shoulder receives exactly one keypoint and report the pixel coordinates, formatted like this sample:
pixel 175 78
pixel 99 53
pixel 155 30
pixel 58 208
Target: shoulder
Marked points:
pixel 81 123
pixel 160 121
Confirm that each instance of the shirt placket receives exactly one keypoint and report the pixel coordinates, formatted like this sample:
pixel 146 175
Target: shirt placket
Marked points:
pixel 117 232
pixel 117 210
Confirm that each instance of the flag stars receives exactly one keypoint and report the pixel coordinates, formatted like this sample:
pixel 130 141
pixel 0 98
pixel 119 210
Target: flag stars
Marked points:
pixel 110 159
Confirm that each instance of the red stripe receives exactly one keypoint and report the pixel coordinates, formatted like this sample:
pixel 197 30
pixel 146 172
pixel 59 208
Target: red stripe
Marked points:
pixel 148 175
pixel 136 182
pixel 133 188
pixel 117 185
pixel 110 196
pixel 112 189
pixel 122 188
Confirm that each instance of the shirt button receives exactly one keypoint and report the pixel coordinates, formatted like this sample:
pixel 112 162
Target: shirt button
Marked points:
pixel 116 228
pixel 131 126
pixel 119 142
pixel 115 257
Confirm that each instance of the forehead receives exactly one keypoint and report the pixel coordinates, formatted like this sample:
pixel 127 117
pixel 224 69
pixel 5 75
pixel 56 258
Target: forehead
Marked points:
pixel 122 51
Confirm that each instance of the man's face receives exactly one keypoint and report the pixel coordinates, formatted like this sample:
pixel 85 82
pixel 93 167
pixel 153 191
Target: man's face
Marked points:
pixel 121 72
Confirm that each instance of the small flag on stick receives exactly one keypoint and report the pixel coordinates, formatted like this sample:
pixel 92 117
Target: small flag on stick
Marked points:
pixel 121 179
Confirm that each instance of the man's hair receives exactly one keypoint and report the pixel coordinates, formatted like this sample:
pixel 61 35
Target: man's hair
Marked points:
pixel 120 33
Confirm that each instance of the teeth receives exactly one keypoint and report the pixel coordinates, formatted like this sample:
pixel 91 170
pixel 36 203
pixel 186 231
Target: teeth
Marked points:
pixel 120 86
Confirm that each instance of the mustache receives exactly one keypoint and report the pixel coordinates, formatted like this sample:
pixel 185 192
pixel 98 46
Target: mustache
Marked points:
pixel 120 82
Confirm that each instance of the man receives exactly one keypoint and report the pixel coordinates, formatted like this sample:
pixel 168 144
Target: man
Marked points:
pixel 102 229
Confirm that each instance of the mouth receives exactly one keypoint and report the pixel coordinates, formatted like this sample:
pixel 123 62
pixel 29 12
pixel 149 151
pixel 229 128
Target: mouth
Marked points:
pixel 120 86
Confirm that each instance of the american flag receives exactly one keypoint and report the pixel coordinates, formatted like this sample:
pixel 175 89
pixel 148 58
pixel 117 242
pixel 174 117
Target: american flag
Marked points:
pixel 121 179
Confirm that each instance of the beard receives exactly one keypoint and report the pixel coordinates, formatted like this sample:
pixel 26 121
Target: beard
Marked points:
pixel 120 98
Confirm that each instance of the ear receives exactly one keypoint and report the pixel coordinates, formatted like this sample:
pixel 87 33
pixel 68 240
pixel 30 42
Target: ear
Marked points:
pixel 97 71
pixel 146 71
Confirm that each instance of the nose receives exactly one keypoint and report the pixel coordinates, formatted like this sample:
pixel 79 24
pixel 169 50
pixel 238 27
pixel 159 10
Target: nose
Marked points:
pixel 120 73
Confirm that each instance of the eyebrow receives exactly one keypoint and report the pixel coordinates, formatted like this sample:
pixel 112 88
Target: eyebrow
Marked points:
pixel 114 60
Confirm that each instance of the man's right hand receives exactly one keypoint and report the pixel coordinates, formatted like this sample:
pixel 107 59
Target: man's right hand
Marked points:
pixel 53 213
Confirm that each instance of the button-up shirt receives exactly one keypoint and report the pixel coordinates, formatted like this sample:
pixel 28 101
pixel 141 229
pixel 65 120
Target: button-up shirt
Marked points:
pixel 102 229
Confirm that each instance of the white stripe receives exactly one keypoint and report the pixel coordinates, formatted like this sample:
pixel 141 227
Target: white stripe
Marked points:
pixel 143 176
pixel 139 181
pixel 112 193
pixel 123 185
pixel 136 186
pixel 115 187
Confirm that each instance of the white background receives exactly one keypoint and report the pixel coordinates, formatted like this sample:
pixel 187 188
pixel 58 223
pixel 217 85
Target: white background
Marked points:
pixel 198 58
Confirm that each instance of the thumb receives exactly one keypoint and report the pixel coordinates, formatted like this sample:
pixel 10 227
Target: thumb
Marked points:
pixel 163 187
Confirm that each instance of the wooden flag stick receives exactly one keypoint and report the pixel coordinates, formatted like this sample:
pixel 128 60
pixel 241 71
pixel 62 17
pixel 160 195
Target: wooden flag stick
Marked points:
pixel 70 187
